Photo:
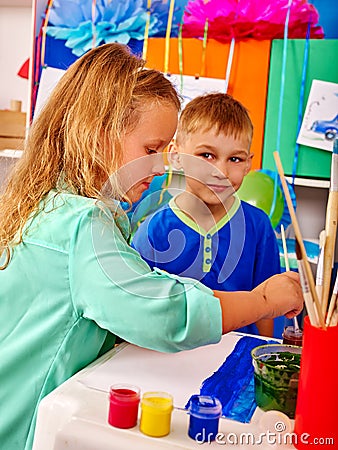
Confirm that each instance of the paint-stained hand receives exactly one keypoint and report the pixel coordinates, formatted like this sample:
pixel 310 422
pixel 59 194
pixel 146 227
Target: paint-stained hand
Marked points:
pixel 282 294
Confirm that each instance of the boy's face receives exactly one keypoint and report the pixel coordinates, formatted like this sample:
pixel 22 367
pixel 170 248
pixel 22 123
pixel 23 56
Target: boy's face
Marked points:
pixel 214 164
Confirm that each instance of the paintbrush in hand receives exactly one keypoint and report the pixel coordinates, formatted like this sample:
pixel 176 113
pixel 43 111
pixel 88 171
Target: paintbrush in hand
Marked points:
pixel 287 269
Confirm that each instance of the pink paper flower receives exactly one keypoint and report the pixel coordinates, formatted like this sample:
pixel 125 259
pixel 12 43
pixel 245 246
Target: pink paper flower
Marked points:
pixel 243 19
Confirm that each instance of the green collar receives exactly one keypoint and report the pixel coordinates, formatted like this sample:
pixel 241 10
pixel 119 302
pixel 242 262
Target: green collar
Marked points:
pixel 193 225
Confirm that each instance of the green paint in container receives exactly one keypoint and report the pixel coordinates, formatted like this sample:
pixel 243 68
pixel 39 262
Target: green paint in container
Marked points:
pixel 276 372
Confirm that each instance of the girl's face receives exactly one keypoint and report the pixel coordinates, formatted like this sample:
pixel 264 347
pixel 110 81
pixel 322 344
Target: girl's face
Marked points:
pixel 142 148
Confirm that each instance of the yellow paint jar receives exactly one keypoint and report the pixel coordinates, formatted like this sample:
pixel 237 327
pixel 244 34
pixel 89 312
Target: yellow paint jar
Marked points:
pixel 156 408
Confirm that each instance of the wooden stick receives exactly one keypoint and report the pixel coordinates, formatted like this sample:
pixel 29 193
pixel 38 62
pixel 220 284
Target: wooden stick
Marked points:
pixel 334 318
pixel 330 228
pixel 319 274
pixel 308 299
pixel 287 268
pixel 299 239
pixel 285 249
pixel 333 302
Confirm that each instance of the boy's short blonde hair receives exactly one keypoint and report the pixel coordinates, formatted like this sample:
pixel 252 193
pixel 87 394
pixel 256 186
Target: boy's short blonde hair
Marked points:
pixel 215 110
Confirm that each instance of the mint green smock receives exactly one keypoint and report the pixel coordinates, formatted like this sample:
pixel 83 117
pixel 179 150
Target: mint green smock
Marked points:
pixel 71 286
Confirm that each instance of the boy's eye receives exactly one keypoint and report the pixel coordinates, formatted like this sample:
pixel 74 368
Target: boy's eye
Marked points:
pixel 207 155
pixel 150 151
pixel 236 159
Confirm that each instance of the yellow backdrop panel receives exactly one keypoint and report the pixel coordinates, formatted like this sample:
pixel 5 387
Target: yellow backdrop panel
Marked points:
pixel 249 73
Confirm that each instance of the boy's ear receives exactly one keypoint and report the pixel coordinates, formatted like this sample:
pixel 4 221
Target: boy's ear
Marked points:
pixel 249 163
pixel 174 156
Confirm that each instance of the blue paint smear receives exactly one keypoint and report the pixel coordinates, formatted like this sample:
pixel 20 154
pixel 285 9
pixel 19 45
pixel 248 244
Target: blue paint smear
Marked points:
pixel 233 382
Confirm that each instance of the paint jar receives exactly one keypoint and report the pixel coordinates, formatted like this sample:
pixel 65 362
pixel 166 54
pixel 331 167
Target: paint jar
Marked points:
pixel 204 411
pixel 276 373
pixel 156 409
pixel 124 401
pixel 291 336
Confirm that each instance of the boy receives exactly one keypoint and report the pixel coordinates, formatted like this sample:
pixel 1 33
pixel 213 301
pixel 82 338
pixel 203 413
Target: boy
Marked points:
pixel 206 232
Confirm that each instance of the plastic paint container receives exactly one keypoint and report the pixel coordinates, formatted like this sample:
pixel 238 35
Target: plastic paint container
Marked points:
pixel 204 411
pixel 276 373
pixel 292 336
pixel 124 400
pixel 156 408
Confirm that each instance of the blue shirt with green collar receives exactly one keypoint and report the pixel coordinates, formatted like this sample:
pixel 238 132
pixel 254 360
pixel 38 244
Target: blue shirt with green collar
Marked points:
pixel 236 254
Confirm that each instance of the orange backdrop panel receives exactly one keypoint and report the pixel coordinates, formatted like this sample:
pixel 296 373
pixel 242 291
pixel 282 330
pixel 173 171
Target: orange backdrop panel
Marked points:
pixel 248 80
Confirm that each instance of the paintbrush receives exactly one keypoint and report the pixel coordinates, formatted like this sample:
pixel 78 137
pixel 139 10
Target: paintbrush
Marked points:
pixel 285 249
pixel 287 269
pixel 330 227
pixel 308 299
pixel 305 263
pixel 333 303
pixel 334 318
pixel 319 272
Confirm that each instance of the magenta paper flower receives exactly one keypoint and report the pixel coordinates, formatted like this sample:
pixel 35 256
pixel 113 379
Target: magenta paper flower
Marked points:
pixel 243 19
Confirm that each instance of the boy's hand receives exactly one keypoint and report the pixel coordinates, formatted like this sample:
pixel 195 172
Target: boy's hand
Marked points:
pixel 282 294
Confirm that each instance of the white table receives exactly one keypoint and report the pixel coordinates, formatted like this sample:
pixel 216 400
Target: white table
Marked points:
pixel 74 416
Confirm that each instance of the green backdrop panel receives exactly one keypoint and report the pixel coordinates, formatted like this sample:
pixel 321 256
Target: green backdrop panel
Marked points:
pixel 322 65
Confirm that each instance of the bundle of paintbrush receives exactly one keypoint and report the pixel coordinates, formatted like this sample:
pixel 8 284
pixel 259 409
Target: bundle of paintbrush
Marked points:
pixel 322 313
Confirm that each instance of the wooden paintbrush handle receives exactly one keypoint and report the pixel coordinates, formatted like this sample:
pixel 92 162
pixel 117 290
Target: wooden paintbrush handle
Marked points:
pixel 329 247
pixel 299 238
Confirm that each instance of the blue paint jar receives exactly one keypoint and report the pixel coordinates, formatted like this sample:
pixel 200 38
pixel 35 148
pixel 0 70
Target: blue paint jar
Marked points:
pixel 204 411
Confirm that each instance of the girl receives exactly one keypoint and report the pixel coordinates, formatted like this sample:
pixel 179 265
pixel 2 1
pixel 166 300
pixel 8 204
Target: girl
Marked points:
pixel 70 283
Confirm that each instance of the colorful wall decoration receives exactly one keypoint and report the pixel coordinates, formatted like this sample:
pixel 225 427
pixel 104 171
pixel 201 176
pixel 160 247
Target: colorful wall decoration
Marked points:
pixel 221 39
pixel 248 80
pixel 302 161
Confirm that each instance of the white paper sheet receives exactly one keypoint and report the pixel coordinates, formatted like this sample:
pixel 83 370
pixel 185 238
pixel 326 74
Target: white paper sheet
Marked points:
pixel 180 374
pixel 190 87
pixel 50 76
pixel 320 121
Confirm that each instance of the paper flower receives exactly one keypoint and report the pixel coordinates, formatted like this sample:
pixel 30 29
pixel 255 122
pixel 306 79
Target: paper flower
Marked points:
pixel 242 19
pixel 160 9
pixel 114 21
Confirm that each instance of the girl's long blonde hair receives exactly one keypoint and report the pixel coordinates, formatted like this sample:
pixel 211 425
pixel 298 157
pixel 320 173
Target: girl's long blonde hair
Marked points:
pixel 95 102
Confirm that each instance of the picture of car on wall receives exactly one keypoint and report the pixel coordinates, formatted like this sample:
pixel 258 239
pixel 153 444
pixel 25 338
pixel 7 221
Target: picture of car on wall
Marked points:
pixel 327 127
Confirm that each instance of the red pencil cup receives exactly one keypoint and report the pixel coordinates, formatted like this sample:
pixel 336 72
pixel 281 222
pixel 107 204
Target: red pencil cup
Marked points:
pixel 317 401
pixel 124 401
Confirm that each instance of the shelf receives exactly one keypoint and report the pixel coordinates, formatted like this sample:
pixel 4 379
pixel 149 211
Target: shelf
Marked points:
pixel 10 153
pixel 16 3
pixel 310 182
